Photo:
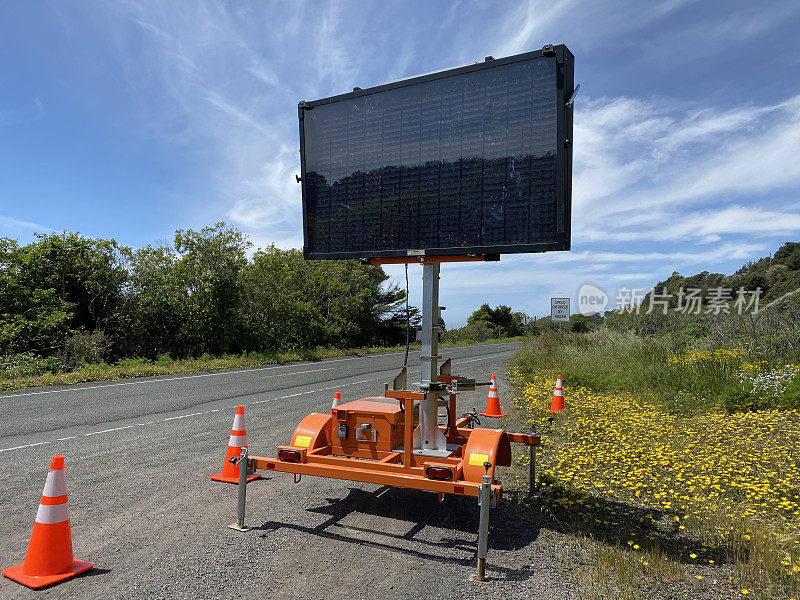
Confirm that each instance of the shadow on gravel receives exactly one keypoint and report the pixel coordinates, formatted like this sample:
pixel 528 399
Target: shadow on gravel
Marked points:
pixel 509 529
pixel 93 572
pixel 618 524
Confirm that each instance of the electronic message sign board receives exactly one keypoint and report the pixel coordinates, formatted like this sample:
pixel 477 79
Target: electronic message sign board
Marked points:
pixel 471 160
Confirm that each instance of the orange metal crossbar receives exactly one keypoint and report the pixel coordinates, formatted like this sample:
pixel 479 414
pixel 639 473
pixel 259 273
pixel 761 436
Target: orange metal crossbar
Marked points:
pixel 397 468
pixel 529 439
pixel 371 472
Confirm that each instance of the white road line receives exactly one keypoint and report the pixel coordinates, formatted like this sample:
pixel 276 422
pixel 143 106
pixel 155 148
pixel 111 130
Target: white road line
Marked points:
pixel 109 430
pixel 183 416
pixel 325 389
pixel 333 387
pixel 163 379
pixel 189 415
pixel 463 362
pixel 25 446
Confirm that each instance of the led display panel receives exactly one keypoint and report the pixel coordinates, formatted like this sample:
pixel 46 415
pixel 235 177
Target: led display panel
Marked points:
pixel 473 160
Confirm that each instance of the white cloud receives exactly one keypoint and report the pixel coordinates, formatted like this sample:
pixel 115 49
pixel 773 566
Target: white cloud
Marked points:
pixel 639 166
pixel 335 65
pixel 529 23
pixel 19 229
pixel 581 22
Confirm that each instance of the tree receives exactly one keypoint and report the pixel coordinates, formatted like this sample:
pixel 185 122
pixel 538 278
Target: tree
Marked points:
pixel 31 319
pixel 151 317
pixel 55 286
pixel 208 269
pixel 504 322
pixel 291 302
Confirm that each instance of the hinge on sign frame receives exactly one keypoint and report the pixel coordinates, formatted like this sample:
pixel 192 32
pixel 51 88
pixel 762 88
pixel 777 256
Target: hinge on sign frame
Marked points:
pixel 573 94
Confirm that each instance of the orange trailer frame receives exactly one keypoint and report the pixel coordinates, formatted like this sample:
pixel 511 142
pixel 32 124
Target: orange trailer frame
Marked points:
pixel 311 444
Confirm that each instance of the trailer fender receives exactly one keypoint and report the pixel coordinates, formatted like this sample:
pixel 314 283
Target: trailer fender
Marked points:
pixel 312 432
pixel 485 445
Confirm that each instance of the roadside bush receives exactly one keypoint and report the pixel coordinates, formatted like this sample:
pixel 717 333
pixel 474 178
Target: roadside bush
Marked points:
pixel 27 365
pixel 737 399
pixel 480 331
pixel 82 348
pixel 163 360
pixel 129 363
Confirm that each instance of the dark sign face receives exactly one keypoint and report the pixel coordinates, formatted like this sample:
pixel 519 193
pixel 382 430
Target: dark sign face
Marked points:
pixel 475 160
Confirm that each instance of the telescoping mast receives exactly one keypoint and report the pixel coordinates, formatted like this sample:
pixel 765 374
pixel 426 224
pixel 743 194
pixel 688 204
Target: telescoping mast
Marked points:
pixel 464 164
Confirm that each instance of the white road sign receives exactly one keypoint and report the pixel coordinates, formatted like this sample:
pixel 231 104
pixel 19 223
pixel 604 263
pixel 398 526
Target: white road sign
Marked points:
pixel 559 310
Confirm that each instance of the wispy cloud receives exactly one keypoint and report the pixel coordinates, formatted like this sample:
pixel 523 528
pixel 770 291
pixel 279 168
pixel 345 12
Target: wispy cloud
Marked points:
pixel 34 109
pixel 644 169
pixel 580 22
pixel 16 228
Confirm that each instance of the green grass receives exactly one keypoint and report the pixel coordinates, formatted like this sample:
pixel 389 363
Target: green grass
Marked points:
pixel 683 377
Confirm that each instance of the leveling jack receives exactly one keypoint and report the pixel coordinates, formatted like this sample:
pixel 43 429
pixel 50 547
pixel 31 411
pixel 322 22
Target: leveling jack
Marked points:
pixel 486 498
pixel 242 462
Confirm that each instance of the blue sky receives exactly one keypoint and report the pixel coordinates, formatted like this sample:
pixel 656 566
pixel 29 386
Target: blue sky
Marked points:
pixel 133 119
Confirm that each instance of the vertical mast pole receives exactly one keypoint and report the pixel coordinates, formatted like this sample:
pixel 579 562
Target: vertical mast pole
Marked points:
pixel 430 317
pixel 430 355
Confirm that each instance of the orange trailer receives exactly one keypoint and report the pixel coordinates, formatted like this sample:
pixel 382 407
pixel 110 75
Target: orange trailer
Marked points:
pixel 396 439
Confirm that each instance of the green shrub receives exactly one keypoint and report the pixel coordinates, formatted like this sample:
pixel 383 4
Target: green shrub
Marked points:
pixel 130 363
pixel 737 399
pixel 611 360
pixel 82 348
pixel 163 360
pixel 480 331
pixel 27 365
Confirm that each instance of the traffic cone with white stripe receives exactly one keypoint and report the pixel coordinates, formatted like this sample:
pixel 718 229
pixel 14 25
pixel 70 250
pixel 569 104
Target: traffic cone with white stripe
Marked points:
pixel 557 405
pixel 49 558
pixel 337 399
pixel 493 401
pixel 238 440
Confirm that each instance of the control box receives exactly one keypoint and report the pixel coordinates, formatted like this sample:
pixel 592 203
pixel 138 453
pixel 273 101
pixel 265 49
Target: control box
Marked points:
pixel 367 427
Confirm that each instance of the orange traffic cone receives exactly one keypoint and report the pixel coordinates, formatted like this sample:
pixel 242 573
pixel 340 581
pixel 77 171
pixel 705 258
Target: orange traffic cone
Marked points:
pixel 337 399
pixel 493 401
pixel 558 397
pixel 49 558
pixel 230 472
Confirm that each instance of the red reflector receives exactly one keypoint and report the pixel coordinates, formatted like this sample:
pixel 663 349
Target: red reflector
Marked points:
pixel 442 473
pixel 289 455
pixel 270 467
pixel 458 489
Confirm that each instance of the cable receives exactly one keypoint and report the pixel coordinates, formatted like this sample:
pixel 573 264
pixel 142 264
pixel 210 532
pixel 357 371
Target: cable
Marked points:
pixel 408 323
pixel 408 337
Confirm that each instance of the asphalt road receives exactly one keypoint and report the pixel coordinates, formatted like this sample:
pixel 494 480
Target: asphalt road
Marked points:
pixel 143 510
